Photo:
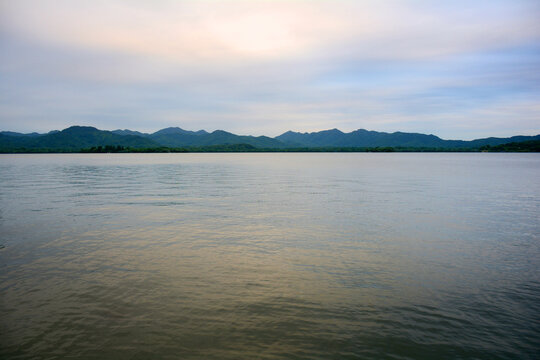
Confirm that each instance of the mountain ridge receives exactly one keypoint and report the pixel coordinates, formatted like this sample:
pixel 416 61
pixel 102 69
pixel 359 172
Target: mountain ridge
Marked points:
pixel 369 138
pixel 80 137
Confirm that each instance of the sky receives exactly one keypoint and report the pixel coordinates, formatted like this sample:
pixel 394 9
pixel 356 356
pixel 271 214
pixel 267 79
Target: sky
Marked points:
pixel 456 69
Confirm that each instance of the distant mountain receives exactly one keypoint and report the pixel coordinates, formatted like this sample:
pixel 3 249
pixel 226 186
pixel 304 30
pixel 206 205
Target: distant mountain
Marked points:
pixel 83 137
pixel 11 133
pixel 223 137
pixel 170 131
pixel 365 138
pixel 177 130
pixel 74 138
pixel 129 132
pixel 80 137
pixel 176 137
pixel 360 138
pixel 493 141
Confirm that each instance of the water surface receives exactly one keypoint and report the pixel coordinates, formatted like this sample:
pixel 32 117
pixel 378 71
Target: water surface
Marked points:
pixel 270 256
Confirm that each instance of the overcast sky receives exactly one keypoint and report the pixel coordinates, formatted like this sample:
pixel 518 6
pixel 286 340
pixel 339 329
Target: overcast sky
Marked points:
pixel 457 69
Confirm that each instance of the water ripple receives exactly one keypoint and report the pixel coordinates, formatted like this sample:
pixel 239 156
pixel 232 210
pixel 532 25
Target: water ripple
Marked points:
pixel 270 256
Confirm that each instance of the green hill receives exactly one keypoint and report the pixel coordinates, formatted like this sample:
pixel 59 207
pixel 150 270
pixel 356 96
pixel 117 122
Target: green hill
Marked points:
pixel 365 138
pixel 72 139
pixel 176 137
pixel 76 138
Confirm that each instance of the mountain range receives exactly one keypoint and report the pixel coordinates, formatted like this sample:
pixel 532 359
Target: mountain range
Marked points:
pixel 365 138
pixel 76 138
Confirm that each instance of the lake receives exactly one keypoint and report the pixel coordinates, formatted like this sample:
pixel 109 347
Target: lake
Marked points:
pixel 270 256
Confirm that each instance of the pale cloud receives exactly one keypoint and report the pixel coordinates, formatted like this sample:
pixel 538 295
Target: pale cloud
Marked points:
pixel 186 32
pixel 264 67
pixel 191 32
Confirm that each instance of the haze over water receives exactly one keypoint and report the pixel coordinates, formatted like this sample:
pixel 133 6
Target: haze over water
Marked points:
pixel 270 256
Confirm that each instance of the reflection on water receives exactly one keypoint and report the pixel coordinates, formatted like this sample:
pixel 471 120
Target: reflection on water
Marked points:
pixel 272 256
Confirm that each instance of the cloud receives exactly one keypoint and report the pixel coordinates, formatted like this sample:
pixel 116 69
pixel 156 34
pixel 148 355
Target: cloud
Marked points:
pixel 190 32
pixel 185 32
pixel 267 66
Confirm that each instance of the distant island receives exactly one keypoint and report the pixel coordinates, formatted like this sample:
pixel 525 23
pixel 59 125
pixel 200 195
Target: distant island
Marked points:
pixel 88 139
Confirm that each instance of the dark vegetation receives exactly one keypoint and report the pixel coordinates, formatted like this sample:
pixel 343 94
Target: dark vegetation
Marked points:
pixel 227 148
pixel 92 140
pixel 523 146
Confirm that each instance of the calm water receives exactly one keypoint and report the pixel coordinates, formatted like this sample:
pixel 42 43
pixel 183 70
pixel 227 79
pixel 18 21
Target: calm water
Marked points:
pixel 270 256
